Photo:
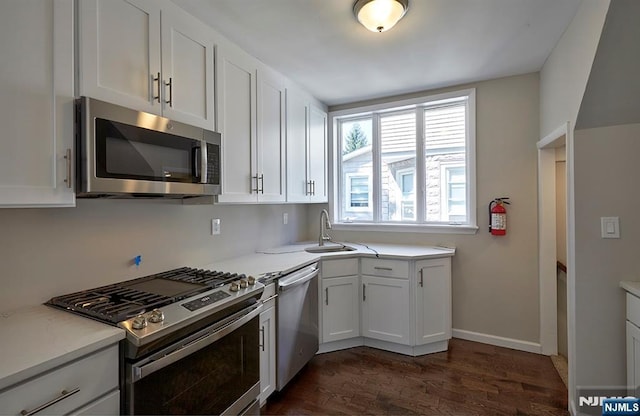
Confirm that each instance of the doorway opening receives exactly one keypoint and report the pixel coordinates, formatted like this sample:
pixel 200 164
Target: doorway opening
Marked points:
pixel 556 248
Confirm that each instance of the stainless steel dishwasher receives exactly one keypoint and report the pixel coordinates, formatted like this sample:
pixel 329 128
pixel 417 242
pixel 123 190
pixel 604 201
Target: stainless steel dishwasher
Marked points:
pixel 297 308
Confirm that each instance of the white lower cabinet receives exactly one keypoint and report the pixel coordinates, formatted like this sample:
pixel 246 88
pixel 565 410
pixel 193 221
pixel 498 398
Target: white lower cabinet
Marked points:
pixel 268 344
pixel 340 308
pixel 433 300
pixel 385 309
pixel 398 305
pixel 70 389
pixel 633 344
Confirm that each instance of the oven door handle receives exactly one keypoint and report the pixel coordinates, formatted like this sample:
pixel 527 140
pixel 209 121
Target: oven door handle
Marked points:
pixel 142 371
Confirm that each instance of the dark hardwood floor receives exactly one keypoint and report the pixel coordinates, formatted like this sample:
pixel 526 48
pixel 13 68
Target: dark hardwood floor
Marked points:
pixel 469 379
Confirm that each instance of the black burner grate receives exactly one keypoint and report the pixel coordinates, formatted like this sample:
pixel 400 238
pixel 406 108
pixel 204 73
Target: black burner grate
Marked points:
pixel 121 301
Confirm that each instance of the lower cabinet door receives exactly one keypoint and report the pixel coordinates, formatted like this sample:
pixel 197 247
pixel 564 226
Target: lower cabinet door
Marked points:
pixel 267 352
pixel 433 301
pixel 385 309
pixel 633 359
pixel 340 308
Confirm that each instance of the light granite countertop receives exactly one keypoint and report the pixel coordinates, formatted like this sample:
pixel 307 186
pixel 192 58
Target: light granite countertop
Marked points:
pixel 632 287
pixel 38 338
pixel 291 257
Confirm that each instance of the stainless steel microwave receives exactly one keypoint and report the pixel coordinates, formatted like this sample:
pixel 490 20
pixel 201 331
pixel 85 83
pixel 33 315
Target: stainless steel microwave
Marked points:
pixel 127 153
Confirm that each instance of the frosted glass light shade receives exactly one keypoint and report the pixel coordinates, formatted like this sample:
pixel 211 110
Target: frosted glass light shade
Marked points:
pixel 380 15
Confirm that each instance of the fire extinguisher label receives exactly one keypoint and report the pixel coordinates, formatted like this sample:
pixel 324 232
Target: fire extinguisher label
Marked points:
pixel 498 221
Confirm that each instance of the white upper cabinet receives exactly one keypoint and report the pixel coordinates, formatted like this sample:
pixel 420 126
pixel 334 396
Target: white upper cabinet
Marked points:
pixel 306 149
pixel 36 110
pixel 317 171
pixel 236 80
pixel 271 149
pixel 251 117
pixel 148 55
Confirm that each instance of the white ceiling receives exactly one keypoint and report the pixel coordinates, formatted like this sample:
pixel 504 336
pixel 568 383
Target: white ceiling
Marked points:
pixel 321 45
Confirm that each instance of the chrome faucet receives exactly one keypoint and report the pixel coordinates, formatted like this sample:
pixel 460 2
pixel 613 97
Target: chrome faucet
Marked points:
pixel 325 225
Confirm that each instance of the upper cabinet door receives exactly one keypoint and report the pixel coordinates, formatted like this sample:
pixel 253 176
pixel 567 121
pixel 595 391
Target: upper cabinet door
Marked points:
pixel 187 69
pixel 36 109
pixel 236 72
pixel 318 154
pixel 271 137
pixel 120 52
pixel 298 187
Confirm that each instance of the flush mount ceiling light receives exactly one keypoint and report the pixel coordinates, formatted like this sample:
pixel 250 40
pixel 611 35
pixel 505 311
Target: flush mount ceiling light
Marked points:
pixel 380 15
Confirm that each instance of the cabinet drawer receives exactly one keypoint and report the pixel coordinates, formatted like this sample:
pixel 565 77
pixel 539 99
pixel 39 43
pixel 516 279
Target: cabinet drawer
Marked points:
pixel 633 309
pixel 386 268
pixel 92 376
pixel 343 267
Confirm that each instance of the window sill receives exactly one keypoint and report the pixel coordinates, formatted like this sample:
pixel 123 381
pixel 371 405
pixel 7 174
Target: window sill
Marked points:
pixel 406 228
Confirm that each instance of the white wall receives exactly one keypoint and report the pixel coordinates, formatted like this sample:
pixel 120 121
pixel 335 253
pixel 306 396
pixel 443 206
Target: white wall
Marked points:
pixel 606 182
pixel 48 252
pixel 564 76
pixel 495 279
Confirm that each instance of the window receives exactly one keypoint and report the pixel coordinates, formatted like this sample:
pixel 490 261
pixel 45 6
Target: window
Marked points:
pixel 358 192
pixel 409 163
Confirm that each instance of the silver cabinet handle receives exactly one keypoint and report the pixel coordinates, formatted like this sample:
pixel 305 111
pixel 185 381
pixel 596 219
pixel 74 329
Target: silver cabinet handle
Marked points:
pixel 313 187
pixel 63 395
pixel 257 188
pixel 170 85
pixel 389 269
pixel 262 183
pixel 262 338
pixel 421 283
pixel 156 79
pixel 307 188
pixel 326 296
pixel 67 157
pixel 364 293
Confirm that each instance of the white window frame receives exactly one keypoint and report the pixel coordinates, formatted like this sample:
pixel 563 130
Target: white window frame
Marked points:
pixel 420 225
pixel 348 178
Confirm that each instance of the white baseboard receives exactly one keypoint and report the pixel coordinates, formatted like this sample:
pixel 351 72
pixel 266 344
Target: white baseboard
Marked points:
pixel 515 344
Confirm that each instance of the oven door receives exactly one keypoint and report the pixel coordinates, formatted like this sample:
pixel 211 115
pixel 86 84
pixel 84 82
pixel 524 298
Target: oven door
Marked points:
pixel 214 371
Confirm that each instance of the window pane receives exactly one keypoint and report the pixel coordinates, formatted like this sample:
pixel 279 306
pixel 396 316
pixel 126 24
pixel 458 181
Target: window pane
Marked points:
pixel 357 172
pixel 445 141
pixel 398 152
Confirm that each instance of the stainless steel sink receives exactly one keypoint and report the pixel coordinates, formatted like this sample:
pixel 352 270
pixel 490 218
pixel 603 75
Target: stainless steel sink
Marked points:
pixel 328 249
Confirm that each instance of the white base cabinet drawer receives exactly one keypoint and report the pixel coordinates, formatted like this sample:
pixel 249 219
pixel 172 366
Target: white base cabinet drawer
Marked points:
pixel 92 376
pixel 337 268
pixel 108 405
pixel 386 268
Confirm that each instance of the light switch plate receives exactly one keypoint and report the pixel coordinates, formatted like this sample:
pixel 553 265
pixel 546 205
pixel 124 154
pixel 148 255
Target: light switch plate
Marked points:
pixel 610 227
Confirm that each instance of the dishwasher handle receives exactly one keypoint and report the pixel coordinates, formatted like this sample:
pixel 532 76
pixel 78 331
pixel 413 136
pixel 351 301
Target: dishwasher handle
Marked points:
pixel 298 278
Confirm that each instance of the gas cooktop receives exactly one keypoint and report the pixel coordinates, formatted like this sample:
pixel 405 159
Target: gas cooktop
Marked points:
pixel 120 301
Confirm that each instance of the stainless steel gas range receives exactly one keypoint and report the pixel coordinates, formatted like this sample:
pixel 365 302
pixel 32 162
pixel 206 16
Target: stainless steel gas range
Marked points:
pixel 192 344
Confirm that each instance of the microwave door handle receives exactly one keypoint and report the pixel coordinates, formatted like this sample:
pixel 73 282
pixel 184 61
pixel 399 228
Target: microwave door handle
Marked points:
pixel 196 162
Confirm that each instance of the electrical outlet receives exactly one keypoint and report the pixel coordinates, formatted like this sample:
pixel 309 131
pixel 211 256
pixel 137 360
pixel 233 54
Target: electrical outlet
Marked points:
pixel 285 218
pixel 215 226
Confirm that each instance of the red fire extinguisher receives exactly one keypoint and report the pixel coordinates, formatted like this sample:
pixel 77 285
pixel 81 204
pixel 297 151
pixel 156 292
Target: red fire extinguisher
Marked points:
pixel 498 216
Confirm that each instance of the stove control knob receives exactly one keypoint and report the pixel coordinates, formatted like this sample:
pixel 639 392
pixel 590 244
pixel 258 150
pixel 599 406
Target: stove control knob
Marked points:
pixel 251 280
pixel 156 316
pixel 243 284
pixel 234 287
pixel 139 322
